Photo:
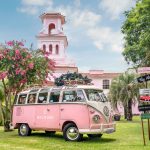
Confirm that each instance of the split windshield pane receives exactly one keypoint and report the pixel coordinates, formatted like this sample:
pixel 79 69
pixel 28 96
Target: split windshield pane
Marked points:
pixel 95 95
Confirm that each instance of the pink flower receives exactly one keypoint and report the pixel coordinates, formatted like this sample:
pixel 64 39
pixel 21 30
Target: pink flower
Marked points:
pixel 5 52
pixel 31 65
pixel 10 43
pixel 17 71
pixel 1 56
pixel 13 58
pixel 17 52
pixel 23 81
pixel 22 72
pixel 3 75
pixel 28 56
pixel 20 44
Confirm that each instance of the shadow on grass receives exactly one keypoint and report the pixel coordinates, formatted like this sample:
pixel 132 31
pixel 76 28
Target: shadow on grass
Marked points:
pixel 40 134
pixel 99 140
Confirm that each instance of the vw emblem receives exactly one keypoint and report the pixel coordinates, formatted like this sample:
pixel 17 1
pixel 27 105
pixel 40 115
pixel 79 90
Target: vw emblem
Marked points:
pixel 106 111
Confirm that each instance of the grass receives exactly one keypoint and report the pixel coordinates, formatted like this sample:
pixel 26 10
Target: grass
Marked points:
pixel 127 137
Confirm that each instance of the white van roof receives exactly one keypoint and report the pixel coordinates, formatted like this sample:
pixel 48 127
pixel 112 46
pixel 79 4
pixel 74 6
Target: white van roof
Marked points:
pixel 48 88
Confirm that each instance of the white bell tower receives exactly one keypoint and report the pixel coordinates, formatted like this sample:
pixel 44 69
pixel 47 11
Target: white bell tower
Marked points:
pixel 52 39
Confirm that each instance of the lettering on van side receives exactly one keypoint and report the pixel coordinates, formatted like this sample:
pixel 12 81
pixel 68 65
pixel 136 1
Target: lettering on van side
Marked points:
pixel 18 111
pixel 44 117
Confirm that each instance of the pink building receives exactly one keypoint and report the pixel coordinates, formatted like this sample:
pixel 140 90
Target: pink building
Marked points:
pixel 52 39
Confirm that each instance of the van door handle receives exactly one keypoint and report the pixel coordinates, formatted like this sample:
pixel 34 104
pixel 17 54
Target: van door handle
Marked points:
pixel 48 109
pixel 62 109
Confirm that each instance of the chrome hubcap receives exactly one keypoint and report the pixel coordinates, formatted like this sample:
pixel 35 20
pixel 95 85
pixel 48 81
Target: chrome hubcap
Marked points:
pixel 72 133
pixel 23 129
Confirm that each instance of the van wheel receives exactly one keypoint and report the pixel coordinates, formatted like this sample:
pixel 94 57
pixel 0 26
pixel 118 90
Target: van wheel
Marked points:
pixel 94 136
pixel 71 133
pixel 24 130
pixel 50 132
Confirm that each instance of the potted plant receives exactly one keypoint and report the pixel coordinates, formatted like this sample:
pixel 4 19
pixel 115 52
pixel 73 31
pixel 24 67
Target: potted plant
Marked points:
pixel 117 117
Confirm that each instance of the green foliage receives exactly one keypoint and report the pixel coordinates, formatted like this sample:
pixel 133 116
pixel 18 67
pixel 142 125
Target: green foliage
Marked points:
pixel 136 30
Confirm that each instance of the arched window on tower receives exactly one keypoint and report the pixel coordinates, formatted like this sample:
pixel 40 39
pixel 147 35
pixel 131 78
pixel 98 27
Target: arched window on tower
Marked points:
pixel 51 27
pixel 57 49
pixel 50 49
pixel 44 47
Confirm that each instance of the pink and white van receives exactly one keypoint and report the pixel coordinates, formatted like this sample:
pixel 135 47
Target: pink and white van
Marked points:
pixel 74 110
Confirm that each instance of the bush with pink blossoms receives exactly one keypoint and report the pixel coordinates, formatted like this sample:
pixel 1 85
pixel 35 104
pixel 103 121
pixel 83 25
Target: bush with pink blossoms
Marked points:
pixel 20 67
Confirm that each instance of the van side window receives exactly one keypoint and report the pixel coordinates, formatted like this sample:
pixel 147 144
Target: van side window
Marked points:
pixel 22 99
pixel 69 96
pixel 42 98
pixel 80 95
pixel 32 98
pixel 54 96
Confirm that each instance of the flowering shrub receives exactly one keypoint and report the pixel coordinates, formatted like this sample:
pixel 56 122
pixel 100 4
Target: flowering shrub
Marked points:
pixel 20 67
pixel 72 79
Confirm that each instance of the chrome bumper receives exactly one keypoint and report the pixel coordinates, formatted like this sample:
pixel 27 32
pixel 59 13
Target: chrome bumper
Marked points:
pixel 103 128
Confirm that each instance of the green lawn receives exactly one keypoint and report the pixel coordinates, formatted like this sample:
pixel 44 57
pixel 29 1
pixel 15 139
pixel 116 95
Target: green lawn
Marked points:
pixel 127 137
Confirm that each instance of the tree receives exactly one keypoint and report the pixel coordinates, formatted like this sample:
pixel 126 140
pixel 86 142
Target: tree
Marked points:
pixel 71 79
pixel 125 91
pixel 136 30
pixel 20 67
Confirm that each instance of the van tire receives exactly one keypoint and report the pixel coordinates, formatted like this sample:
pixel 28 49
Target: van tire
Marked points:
pixel 69 135
pixel 91 136
pixel 24 130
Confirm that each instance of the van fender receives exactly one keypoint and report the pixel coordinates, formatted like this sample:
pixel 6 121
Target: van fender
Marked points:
pixel 65 122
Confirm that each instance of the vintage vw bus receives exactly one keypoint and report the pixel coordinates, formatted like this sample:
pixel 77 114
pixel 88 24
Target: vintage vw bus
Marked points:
pixel 74 110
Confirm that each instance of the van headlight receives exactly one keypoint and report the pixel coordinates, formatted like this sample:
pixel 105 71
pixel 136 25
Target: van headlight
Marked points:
pixel 96 118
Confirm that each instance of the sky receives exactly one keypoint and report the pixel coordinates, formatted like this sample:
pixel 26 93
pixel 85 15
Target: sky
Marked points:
pixel 93 28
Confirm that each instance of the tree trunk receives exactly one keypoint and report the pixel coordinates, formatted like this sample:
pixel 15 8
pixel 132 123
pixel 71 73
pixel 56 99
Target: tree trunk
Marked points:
pixel 6 113
pixel 1 112
pixel 6 108
pixel 125 111
pixel 129 111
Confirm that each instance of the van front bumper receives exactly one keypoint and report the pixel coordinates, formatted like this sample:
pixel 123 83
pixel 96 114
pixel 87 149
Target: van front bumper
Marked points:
pixel 103 128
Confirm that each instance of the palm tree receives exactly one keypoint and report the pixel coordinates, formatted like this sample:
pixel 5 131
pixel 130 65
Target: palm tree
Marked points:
pixel 124 90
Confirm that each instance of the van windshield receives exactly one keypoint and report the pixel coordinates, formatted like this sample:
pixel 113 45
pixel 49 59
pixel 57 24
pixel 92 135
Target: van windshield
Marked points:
pixel 95 95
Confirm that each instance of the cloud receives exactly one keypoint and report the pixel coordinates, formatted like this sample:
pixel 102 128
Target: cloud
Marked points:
pixel 78 17
pixel 33 7
pixel 105 37
pixel 77 3
pixel 86 18
pixel 31 10
pixel 36 2
pixel 88 23
pixel 80 22
pixel 116 7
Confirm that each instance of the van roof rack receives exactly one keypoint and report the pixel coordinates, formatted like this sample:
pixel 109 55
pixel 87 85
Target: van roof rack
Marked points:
pixel 35 86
